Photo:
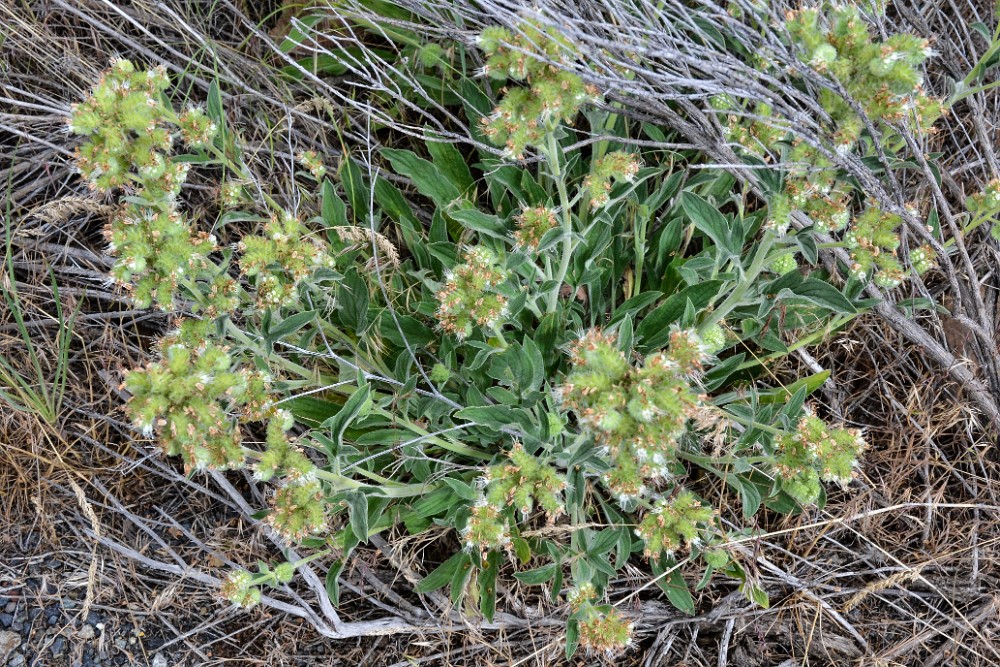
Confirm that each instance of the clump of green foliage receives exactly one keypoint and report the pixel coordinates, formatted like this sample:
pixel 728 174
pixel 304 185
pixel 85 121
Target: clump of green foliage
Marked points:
pixel 879 78
pixel 556 344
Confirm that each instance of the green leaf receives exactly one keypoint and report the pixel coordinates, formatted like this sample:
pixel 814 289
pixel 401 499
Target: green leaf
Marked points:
pixel 290 325
pixel 355 188
pixel 488 586
pixel 755 593
pixel 213 105
pixel 461 489
pixel 461 578
pixel 674 586
pixel 481 223
pixel 357 505
pixel 333 209
pixel 358 403
pixel 809 384
pixel 452 164
pixel 333 580
pixel 634 305
pixel 490 416
pixel 750 495
pixel 710 222
pixel 538 575
pixel 522 550
pixel 426 177
pixel 354 300
pixel 443 573
pixel 603 542
pixel 823 294
pixel 572 638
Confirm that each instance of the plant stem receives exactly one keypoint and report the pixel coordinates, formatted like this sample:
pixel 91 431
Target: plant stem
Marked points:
pixel 552 155
pixel 749 278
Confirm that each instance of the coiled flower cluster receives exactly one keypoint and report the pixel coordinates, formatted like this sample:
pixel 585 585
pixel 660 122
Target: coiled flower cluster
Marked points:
pixel 815 452
pixel 280 456
pixel 524 482
pixel 239 589
pixel 298 509
pixel 159 249
pixel 552 96
pixel 486 529
pixel 636 413
pixel 281 258
pixel 605 631
pixel 124 122
pixel 313 163
pixel 675 522
pixel 189 398
pixel 532 224
pixel 129 136
pixel 614 167
pixel 469 296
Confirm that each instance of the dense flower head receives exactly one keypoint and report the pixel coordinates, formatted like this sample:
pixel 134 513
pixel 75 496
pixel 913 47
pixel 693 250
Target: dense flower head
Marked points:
pixel 313 163
pixel 984 206
pixel 280 456
pixel 232 195
pixel 532 224
pixel 524 481
pixel 128 134
pixel 636 413
pixel 486 529
pixel 872 241
pixel 551 96
pixel 187 398
pixel 469 296
pixel 123 105
pixel 156 249
pixel 298 509
pixel 581 595
pixel 988 199
pixel 783 264
pixel 883 76
pixel 238 588
pixel 922 259
pixel 281 258
pixel 814 452
pixel 197 129
pixel 615 167
pixel 674 523
pixel 606 632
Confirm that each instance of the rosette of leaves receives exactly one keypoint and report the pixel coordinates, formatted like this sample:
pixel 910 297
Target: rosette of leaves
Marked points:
pixel 512 379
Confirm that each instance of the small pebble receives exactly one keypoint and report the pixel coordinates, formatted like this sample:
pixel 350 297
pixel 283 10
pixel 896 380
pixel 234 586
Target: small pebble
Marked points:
pixel 86 632
pixel 10 607
pixel 16 660
pixel 9 641
pixel 52 619
pixel 6 620
pixel 159 660
pixel 57 646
